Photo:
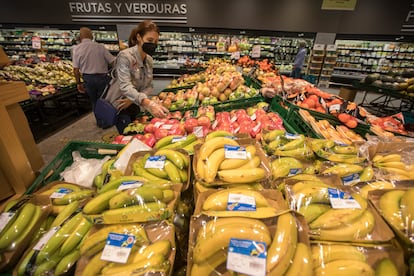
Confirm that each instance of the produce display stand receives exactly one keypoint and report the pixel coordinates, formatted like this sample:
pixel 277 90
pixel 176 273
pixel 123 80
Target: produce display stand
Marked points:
pixel 386 102
pixel 19 158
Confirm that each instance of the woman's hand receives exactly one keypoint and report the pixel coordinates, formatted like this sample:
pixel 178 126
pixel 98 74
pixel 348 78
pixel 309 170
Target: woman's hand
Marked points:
pixel 156 110
pixel 124 103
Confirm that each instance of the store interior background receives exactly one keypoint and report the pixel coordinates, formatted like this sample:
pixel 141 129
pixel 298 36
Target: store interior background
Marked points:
pixel 371 20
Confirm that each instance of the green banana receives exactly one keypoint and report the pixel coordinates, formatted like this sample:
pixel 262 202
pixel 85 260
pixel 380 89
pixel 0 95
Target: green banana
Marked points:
pixel 74 196
pixel 367 174
pixel 345 149
pixel 100 203
pixel 293 144
pixel 22 267
pixel 47 266
pixel 74 238
pixel 345 158
pixel 386 267
pixel 190 147
pixel 389 204
pixel 65 213
pixel 161 173
pixel 165 141
pixel 272 135
pixel 173 171
pixel 183 175
pixel 16 227
pixel 314 210
pixel 114 184
pixel 217 133
pixel 345 268
pixel 407 210
pixel 182 143
pixel 301 152
pixel 137 196
pixel 149 212
pixel 68 261
pixel 342 169
pixel 173 156
pixel 143 173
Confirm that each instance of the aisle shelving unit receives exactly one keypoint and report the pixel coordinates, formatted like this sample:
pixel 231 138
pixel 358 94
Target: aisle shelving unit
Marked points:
pixel 328 65
pixel 316 60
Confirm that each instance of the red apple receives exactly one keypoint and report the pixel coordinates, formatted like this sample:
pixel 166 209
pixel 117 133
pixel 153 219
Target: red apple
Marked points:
pixel 160 133
pixel 149 139
pixel 204 121
pixel 189 124
pixel 150 128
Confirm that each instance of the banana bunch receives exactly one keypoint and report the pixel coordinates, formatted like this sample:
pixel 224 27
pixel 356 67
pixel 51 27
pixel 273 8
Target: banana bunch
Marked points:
pixel 312 200
pixel 280 143
pixel 24 218
pixel 63 193
pixel 58 250
pixel 341 259
pixel 397 208
pixel 285 166
pixel 186 143
pixel 211 163
pixel 201 188
pixel 375 185
pixel 108 173
pixel 174 168
pixel 344 169
pixel 393 166
pixel 145 256
pixel 338 153
pixel 220 204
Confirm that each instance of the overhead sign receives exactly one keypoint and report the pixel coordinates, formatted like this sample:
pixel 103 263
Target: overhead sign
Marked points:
pixel 408 25
pixel 128 11
pixel 343 5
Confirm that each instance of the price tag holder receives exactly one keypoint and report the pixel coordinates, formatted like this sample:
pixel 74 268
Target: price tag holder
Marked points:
pixel 342 200
pixel 36 42
pixel 117 248
pixel 247 257
pixel 45 238
pixel 126 185
pixel 5 218
pixel 335 108
pixel 239 202
pixel 155 162
pixel 178 139
pixel 235 152
pixel 60 193
pixel 350 179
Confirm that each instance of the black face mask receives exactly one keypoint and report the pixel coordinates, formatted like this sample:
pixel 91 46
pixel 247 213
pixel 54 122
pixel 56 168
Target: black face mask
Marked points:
pixel 149 48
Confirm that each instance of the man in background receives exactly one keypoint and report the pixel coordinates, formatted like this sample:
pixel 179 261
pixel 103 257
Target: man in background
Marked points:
pixel 299 60
pixel 91 60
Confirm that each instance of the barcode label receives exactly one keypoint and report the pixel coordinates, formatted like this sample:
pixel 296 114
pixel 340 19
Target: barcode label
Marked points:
pixel 45 238
pixel 238 202
pixel 117 248
pixel 235 152
pixel 155 162
pixel 342 200
pixel 247 257
pixel 5 218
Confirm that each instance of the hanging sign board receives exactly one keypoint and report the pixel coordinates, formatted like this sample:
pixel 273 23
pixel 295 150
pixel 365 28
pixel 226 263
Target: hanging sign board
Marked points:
pixel 342 5
pixel 256 51
pixel 36 42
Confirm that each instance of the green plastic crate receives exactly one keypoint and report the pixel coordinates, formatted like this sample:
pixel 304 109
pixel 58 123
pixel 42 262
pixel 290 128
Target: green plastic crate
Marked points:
pixel 64 159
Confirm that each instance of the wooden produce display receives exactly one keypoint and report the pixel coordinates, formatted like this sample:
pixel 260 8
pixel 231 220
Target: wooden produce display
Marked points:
pixel 19 156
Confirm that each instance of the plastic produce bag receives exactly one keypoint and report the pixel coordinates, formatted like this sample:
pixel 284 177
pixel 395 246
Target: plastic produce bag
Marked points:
pixel 83 171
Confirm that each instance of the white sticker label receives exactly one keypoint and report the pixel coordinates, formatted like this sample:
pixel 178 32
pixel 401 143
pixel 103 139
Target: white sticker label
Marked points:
pixel 342 200
pixel 45 238
pixel 167 127
pixel 214 125
pixel 117 248
pixel 5 218
pixel 158 124
pixel 335 107
pixel 292 136
pixel 247 257
pixel 233 119
pixel 240 202
pixel 253 117
pixel 351 179
pixel 178 139
pixel 126 185
pixel 155 162
pixel 198 131
pixel 60 193
pixel 235 152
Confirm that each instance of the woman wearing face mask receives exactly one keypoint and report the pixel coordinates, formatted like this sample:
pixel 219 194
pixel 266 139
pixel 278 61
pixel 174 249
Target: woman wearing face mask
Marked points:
pixel 133 70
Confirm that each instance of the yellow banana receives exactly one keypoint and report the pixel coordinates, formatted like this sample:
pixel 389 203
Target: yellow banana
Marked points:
pixel 386 267
pixel 396 164
pixel 345 268
pixel 343 169
pixel 200 169
pixel 401 173
pixel 209 266
pixel 66 212
pixel 242 176
pixel 282 249
pixel 407 210
pixel 251 164
pixel 67 262
pixel 271 135
pixel 322 254
pixel 231 163
pixel 386 158
pixel 217 133
pixel 100 203
pixel 173 156
pixel 114 184
pixel 274 144
pixel 314 210
pixel 283 166
pixel 295 143
pixel 345 158
pixel 68 198
pixel 213 163
pixel 376 185
pixel 305 177
pixel 308 195
pixel 102 234
pixel 94 266
pixel 211 145
pixel 161 173
pixel 153 261
pixel 17 226
pixel 183 175
pixel 137 196
pixel 52 246
pixel 218 201
pixel 74 238
pixel 152 211
pixel 185 141
pixel 259 213
pixel 317 183
pixel 359 229
pixel 56 185
pixel 389 204
pixel 208 246
pixel 302 262
pixel 173 171
pixel 301 152
pixel 345 149
pixel 334 218
pixel 367 174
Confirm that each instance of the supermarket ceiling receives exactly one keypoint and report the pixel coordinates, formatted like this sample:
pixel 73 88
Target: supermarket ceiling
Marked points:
pixel 395 17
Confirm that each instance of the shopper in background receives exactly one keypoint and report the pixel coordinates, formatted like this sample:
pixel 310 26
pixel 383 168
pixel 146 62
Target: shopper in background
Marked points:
pixel 92 60
pixel 133 81
pixel 299 60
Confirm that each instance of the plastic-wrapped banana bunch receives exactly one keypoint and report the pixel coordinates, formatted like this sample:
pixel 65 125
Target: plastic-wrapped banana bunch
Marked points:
pixel 338 153
pixel 223 161
pixel 133 199
pixel 332 214
pixel 63 193
pixel 393 167
pixel 20 219
pixel 289 166
pixel 186 143
pixel 397 208
pixel 200 187
pixel 127 249
pixel 281 143
pixel 241 202
pixel 365 187
pixel 164 164
pixel 57 251
pixel 249 246
pixel 108 173
pixel 345 259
